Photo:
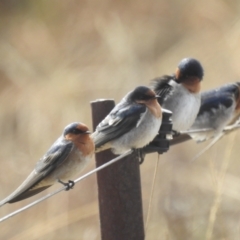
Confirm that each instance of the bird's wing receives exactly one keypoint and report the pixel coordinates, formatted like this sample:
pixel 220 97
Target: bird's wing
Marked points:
pixel 53 158
pixel 215 101
pixel 222 96
pixel 162 86
pixel 121 120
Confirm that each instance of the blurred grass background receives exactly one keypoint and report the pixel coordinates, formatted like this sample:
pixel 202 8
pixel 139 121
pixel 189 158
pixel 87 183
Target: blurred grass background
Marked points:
pixel 57 56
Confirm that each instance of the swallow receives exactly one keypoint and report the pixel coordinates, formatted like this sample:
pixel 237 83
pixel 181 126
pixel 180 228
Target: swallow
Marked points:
pixel 220 107
pixel 220 110
pixel 65 158
pixel 180 93
pixel 131 124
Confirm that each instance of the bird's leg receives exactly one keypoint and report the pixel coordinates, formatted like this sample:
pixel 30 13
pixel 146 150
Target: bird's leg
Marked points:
pixel 140 154
pixel 232 127
pixel 69 185
pixel 175 133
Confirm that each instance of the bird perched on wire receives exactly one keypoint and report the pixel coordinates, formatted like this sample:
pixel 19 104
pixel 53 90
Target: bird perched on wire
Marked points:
pixel 132 123
pixel 180 93
pixel 65 158
pixel 219 108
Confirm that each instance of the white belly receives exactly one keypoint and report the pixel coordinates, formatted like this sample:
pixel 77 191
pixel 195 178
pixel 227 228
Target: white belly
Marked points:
pixel 184 107
pixel 72 166
pixel 138 137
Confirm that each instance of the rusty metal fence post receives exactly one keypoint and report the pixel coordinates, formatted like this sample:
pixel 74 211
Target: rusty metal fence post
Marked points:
pixel 119 189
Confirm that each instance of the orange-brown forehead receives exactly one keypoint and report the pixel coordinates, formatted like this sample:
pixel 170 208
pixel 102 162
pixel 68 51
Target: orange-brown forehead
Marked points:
pixel 82 127
pixel 178 73
pixel 151 93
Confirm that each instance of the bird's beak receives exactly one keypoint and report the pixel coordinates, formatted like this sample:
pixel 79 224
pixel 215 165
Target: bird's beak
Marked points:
pixel 157 96
pixel 87 132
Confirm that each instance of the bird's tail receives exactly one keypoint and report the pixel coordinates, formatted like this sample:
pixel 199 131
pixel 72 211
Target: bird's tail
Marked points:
pixel 25 190
pixel 215 140
pixel 102 148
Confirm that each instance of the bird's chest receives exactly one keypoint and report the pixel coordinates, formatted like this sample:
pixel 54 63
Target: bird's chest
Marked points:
pixel 73 165
pixel 77 162
pixel 185 107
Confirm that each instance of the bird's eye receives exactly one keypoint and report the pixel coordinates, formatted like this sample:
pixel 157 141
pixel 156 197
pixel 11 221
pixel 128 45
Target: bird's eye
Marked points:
pixel 148 97
pixel 76 131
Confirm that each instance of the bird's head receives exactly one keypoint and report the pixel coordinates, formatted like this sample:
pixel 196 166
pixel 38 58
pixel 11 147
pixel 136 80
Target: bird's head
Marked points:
pixel 142 94
pixel 189 69
pixel 74 130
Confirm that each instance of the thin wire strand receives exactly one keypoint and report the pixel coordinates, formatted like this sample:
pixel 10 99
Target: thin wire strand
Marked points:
pixel 197 130
pixel 64 188
pixel 227 129
pixel 151 194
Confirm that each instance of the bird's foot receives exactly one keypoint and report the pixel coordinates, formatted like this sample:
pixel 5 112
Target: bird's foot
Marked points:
pixel 175 133
pixel 140 154
pixel 69 185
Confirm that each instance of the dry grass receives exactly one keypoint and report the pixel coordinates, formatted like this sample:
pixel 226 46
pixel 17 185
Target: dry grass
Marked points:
pixel 57 56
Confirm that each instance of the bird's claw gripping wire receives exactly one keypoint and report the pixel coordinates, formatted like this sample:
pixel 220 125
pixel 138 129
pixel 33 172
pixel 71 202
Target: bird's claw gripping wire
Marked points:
pixel 69 185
